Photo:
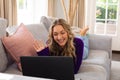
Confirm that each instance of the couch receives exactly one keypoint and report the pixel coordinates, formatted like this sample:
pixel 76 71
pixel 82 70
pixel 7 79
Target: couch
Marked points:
pixel 96 67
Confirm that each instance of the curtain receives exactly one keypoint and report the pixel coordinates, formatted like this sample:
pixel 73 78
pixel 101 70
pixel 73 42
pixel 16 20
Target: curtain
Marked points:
pixel 79 19
pixel 74 12
pixel 8 10
pixel 51 8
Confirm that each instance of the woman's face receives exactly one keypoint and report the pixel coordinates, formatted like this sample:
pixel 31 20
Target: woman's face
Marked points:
pixel 60 35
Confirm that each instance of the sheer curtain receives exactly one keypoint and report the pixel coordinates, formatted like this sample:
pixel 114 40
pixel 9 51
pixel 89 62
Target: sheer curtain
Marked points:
pixel 79 19
pixel 8 10
pixel 81 14
pixel 51 8
pixel 30 11
pixel 74 11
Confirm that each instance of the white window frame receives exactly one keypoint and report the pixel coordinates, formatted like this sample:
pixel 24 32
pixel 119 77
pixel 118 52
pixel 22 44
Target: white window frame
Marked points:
pixel 91 16
pixel 113 26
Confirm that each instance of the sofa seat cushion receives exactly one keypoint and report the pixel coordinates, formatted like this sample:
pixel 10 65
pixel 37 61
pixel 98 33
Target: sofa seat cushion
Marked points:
pixel 91 72
pixel 99 57
pixel 98 54
pixel 13 69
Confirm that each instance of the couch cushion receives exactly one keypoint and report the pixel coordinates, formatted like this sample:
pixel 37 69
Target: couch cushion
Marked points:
pixel 91 72
pixel 20 44
pixel 104 42
pixel 13 69
pixel 39 31
pixel 3 58
pixel 99 57
pixel 47 21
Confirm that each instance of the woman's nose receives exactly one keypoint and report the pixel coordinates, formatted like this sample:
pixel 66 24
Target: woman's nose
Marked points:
pixel 59 36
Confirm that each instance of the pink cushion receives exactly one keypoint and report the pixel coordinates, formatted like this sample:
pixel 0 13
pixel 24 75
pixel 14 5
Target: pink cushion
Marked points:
pixel 20 44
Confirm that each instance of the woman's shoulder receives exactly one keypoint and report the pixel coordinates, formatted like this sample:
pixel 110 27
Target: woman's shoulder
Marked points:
pixel 78 40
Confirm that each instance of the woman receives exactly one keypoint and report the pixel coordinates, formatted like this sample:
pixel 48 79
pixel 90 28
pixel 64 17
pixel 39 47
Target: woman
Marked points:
pixel 62 42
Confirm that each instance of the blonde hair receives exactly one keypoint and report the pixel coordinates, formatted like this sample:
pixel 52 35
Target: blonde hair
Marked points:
pixel 55 49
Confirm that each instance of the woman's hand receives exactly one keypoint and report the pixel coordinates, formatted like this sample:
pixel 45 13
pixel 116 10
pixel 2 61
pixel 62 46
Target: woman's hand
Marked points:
pixel 38 45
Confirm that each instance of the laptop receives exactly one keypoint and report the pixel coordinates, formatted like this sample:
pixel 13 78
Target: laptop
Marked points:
pixel 51 67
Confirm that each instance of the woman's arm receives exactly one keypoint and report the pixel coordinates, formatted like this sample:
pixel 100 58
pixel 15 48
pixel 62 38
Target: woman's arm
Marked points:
pixel 44 52
pixel 79 53
pixel 86 45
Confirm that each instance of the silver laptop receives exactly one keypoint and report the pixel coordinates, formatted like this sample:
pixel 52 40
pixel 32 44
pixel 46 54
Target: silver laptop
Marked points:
pixel 51 67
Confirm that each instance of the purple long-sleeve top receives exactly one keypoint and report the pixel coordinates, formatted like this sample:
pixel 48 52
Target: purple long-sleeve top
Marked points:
pixel 78 43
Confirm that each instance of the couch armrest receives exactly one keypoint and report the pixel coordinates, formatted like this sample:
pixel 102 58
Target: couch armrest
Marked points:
pixel 101 42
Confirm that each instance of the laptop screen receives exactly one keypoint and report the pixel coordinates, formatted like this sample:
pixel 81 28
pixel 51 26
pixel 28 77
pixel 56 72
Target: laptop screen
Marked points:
pixel 52 67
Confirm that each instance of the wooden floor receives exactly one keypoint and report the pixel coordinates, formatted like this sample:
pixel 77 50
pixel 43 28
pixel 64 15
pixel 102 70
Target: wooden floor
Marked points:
pixel 115 67
pixel 116 55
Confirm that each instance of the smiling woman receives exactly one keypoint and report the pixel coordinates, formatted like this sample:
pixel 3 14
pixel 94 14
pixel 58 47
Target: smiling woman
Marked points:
pixel 61 42
pixel 30 11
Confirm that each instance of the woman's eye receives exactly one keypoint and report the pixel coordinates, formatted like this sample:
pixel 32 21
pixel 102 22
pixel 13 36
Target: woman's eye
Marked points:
pixel 55 34
pixel 62 32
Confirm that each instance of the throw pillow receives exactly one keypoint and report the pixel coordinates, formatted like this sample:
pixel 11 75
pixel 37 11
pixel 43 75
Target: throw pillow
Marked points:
pixel 20 44
pixel 11 30
pixel 47 21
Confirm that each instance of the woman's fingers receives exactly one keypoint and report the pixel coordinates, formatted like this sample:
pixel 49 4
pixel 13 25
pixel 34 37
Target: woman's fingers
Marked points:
pixel 38 45
pixel 35 45
pixel 41 45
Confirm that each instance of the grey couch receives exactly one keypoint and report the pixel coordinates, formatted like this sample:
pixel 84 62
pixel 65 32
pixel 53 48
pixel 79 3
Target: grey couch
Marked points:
pixel 96 67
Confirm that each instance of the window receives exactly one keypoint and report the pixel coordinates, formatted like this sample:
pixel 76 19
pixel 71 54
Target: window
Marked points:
pixel 106 17
pixel 30 11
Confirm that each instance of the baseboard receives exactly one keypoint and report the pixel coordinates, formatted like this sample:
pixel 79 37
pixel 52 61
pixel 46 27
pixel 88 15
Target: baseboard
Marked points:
pixel 113 51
